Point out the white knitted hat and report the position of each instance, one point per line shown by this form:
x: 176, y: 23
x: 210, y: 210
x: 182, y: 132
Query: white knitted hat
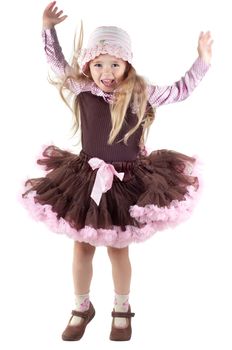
x: 106, y: 40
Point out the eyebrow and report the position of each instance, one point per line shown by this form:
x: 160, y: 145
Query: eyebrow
x: 99, y: 61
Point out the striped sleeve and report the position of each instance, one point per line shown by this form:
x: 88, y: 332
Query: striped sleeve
x: 180, y: 90
x: 57, y: 62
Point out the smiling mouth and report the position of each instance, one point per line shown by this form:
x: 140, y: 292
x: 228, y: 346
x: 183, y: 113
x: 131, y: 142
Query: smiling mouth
x: 108, y: 82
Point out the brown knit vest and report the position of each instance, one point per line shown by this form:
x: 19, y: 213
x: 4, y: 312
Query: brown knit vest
x: 96, y: 127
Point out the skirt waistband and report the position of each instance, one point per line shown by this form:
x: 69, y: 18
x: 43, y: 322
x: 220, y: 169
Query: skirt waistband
x: 118, y: 165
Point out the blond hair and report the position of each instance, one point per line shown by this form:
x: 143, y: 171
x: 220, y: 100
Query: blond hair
x: 132, y: 92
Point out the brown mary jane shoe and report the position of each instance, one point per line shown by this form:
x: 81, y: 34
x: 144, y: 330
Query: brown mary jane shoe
x: 121, y: 334
x: 72, y: 333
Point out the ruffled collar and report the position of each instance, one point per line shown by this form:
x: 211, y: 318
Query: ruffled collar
x: 107, y: 96
x: 95, y: 90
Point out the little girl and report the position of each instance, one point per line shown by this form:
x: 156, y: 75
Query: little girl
x: 113, y: 193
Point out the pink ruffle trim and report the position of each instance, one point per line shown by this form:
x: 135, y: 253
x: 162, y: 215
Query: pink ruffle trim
x: 86, y: 55
x: 171, y: 216
x: 154, y: 219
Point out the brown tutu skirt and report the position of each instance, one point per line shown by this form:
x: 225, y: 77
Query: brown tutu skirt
x: 156, y: 192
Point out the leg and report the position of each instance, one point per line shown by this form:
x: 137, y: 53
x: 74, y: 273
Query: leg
x: 82, y: 267
x: 82, y: 275
x: 121, y: 269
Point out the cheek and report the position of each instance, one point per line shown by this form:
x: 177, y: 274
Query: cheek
x: 93, y: 74
x: 121, y: 74
x: 91, y: 70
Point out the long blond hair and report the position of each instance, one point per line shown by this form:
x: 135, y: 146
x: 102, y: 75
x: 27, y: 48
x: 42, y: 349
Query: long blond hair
x: 132, y: 92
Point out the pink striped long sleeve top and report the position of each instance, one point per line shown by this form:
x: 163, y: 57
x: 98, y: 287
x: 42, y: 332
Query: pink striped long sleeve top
x: 157, y: 95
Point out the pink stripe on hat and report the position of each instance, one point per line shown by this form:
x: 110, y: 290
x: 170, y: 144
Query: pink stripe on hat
x: 106, y: 40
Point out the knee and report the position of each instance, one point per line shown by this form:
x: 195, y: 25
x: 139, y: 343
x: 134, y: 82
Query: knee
x: 117, y: 253
x: 84, y: 250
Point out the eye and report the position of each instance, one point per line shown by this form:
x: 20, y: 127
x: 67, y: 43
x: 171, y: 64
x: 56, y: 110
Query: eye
x: 98, y: 65
x: 115, y: 65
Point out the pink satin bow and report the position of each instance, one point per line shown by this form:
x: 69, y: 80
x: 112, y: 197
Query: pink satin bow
x: 104, y: 178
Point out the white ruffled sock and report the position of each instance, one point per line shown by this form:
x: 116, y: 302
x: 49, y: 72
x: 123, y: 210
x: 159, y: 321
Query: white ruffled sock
x: 121, y: 304
x: 82, y: 304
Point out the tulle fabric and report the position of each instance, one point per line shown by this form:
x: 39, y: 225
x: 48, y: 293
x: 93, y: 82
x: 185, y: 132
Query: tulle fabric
x: 157, y: 192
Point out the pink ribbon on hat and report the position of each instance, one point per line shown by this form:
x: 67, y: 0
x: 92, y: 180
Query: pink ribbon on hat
x: 104, y: 178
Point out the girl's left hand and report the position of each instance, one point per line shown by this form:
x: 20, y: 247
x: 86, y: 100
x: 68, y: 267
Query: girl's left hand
x: 205, y: 46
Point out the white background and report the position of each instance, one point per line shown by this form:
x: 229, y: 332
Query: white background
x: 181, y: 288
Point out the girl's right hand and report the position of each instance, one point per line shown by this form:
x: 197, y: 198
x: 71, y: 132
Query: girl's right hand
x: 51, y: 17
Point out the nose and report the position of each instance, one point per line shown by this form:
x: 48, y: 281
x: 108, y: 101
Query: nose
x: 107, y: 69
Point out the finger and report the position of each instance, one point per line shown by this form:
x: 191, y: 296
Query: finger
x: 201, y: 36
x: 210, y: 43
x: 61, y: 19
x: 59, y: 13
x: 55, y: 9
x: 50, y: 6
x: 206, y: 37
x: 208, y: 34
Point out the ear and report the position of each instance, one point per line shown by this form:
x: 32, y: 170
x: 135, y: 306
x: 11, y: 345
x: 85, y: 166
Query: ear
x: 86, y: 71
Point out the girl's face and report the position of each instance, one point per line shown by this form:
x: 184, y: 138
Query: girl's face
x: 107, y: 72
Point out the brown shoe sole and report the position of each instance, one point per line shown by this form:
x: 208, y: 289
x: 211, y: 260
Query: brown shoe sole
x: 74, y: 333
x: 121, y: 334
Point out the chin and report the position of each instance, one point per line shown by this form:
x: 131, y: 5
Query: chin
x: 106, y: 89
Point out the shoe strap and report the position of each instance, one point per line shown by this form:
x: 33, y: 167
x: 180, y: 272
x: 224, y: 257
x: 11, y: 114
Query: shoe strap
x: 122, y: 314
x: 80, y: 313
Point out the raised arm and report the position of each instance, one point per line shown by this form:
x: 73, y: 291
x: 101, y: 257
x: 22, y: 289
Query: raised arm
x: 180, y: 90
x: 54, y: 55
x: 52, y: 48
